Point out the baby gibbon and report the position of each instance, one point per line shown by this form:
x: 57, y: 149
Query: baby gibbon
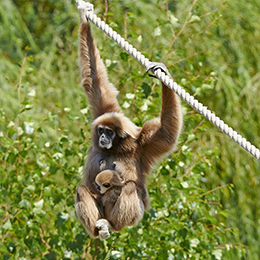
x: 123, y: 204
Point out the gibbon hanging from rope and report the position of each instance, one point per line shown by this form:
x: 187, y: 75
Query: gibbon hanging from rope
x: 113, y: 194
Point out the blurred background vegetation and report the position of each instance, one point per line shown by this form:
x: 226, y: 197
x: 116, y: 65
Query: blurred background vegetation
x: 204, y: 196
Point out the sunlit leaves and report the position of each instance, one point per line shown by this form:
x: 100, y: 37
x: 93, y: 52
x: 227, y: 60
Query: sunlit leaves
x: 157, y: 31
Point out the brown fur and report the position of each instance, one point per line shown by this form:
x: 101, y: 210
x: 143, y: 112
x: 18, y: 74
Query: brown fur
x: 134, y: 151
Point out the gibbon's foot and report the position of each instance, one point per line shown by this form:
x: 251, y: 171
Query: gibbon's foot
x: 83, y: 7
x: 153, y: 66
x: 103, y: 227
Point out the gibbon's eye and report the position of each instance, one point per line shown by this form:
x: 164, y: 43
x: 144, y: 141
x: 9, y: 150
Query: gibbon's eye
x: 100, y: 130
x: 114, y: 166
x: 101, y: 162
x: 106, y: 185
x: 110, y: 132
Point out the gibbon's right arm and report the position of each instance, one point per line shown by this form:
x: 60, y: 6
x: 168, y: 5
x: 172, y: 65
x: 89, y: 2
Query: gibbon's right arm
x: 102, y: 95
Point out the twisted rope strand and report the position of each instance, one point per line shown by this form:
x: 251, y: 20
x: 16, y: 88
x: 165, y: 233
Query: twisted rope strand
x: 173, y: 86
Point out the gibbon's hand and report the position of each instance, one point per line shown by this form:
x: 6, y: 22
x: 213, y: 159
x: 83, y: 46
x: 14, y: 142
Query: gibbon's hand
x: 103, y: 227
x: 153, y: 66
x: 83, y: 7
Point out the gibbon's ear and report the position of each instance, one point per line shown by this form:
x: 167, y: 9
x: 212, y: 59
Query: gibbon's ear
x: 122, y: 125
x: 123, y: 134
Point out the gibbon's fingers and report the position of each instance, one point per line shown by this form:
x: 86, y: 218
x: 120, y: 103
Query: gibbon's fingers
x: 153, y: 66
x: 103, y: 227
x: 103, y: 234
x: 83, y: 7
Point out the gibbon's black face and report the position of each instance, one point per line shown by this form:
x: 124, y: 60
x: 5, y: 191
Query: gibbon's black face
x: 105, y: 137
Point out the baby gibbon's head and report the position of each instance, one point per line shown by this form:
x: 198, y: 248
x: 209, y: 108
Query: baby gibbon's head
x: 108, y: 179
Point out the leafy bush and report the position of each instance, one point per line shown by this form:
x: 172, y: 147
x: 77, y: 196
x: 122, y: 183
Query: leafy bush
x: 196, y: 193
x: 40, y: 176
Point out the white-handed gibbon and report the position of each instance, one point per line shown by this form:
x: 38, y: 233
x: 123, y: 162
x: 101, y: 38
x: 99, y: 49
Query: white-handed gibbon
x: 118, y: 145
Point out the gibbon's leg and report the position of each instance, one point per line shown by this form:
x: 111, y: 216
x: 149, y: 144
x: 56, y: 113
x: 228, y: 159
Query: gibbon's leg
x: 102, y: 95
x: 87, y: 210
x: 160, y: 136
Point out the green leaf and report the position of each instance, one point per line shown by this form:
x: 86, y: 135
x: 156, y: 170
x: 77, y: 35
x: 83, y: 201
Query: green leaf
x: 194, y: 18
x: 165, y: 170
x: 183, y: 233
x: 218, y: 254
x: 19, y: 131
x: 126, y: 105
x: 124, y: 56
x: 146, y: 89
x: 11, y: 158
x: 191, y: 137
x: 30, y: 188
x: 157, y: 31
x: 130, y: 96
x: 39, y: 204
x: 7, y: 225
x: 84, y: 111
x: 24, y: 203
x: 32, y: 93
x: 185, y: 184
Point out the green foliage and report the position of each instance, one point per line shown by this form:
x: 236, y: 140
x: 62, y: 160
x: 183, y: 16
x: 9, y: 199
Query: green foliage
x: 204, y: 196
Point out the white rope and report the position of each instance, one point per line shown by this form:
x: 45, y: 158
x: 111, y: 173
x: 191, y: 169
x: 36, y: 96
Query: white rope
x: 174, y: 86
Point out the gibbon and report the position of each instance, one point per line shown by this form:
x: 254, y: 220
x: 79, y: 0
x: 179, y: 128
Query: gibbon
x: 118, y: 144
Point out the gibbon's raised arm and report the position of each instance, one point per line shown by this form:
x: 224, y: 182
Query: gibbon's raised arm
x: 160, y: 135
x: 102, y: 95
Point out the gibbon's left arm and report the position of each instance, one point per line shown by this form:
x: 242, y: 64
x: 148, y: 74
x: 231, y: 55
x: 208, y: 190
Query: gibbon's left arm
x: 102, y: 95
x: 160, y: 135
